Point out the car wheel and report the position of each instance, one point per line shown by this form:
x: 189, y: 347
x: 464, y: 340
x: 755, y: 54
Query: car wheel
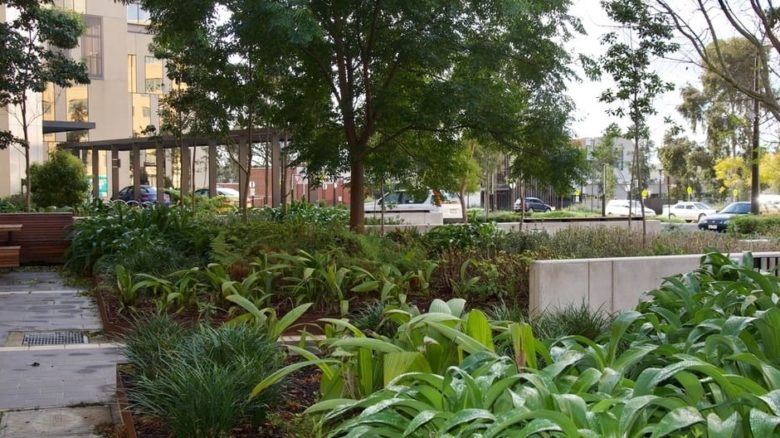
x: 547, y: 210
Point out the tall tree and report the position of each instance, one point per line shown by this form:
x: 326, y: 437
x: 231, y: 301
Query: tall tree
x: 373, y: 75
x: 645, y: 36
x: 705, y: 24
x: 719, y: 107
x: 604, y: 160
x: 230, y: 81
x: 33, y: 53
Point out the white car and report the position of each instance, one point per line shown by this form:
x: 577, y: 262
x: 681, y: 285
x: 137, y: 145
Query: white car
x: 402, y: 201
x: 619, y: 207
x: 688, y: 211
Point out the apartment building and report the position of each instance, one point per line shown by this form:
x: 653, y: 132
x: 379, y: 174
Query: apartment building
x: 123, y: 98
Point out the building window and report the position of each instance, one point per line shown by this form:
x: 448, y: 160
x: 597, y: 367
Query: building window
x: 49, y: 102
x: 137, y: 15
x: 92, y: 46
x: 72, y: 5
x: 142, y: 113
x: 153, y: 75
x: 77, y: 101
x: 132, y: 74
x: 51, y: 143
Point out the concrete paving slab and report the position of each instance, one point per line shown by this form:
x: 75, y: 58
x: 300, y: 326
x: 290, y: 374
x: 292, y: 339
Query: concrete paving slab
x: 56, y: 422
x: 43, y: 312
x: 27, y: 281
x: 53, y: 378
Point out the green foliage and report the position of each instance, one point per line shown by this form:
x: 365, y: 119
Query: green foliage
x: 699, y: 358
x: 749, y: 225
x: 156, y: 240
x: 197, y: 382
x: 447, y: 237
x: 60, y: 181
x: 303, y: 212
x: 12, y: 204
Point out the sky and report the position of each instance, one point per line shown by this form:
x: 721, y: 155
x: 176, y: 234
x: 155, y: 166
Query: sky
x: 590, y: 116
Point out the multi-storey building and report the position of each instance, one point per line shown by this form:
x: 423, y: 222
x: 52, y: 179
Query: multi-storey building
x: 590, y: 192
x: 123, y: 98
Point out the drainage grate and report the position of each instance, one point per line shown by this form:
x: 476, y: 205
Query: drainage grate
x: 54, y: 338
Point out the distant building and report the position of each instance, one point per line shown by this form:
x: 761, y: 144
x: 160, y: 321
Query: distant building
x: 590, y: 191
x: 123, y: 98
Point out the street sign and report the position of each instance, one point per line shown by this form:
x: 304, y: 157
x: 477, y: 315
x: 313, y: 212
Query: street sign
x: 690, y: 190
x: 735, y: 193
x: 644, y: 194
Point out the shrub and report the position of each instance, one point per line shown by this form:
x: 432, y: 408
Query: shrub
x: 750, y: 225
x: 303, y: 212
x: 200, y: 386
x: 151, y: 240
x: 12, y: 204
x: 471, y: 235
x: 699, y: 358
x: 60, y: 181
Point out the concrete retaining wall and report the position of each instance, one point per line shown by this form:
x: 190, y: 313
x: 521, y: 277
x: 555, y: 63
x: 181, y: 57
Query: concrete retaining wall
x: 611, y: 284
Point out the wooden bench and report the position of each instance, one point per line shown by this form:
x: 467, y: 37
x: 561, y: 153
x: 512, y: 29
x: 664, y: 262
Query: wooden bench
x: 43, y: 237
x: 9, y: 256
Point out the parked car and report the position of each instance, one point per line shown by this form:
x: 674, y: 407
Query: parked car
x: 400, y: 201
x: 231, y: 195
x: 769, y: 203
x: 620, y: 207
x: 720, y: 220
x: 148, y: 195
x: 688, y: 211
x: 532, y: 204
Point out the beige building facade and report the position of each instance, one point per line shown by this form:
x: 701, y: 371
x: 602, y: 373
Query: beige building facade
x: 123, y: 98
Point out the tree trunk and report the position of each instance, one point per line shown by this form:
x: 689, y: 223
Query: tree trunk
x: 25, y: 131
x: 356, y: 213
x: 463, y: 213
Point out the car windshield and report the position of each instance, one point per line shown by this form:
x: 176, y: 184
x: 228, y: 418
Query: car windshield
x: 737, y: 208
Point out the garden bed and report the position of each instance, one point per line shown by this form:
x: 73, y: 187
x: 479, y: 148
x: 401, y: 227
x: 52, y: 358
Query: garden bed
x: 298, y: 393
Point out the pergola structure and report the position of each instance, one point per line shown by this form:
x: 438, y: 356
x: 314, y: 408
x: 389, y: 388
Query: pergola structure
x: 160, y: 143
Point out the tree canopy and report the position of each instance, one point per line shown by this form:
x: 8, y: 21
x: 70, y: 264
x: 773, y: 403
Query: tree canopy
x: 359, y: 84
x: 705, y: 24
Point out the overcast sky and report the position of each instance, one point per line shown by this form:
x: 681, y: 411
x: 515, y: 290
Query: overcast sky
x: 590, y: 115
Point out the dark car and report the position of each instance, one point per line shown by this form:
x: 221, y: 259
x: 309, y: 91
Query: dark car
x: 532, y: 204
x: 720, y: 220
x: 148, y: 195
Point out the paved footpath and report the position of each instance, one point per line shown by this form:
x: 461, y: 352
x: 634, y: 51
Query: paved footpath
x: 53, y: 377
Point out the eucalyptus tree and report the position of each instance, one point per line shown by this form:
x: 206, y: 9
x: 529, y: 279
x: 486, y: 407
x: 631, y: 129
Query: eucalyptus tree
x: 718, y: 106
x: 644, y: 37
x: 33, y: 53
x: 708, y: 27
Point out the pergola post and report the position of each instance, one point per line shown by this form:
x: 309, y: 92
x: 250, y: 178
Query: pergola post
x: 276, y: 170
x: 185, y: 170
x: 212, y: 169
x: 160, y: 165
x: 244, y: 167
x: 136, y: 172
x: 95, y: 172
x: 114, y: 172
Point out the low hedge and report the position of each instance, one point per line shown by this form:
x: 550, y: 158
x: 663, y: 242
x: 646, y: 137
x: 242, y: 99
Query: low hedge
x: 763, y: 225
